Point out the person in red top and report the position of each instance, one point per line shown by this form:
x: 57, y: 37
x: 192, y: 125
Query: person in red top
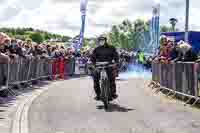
x: 164, y: 51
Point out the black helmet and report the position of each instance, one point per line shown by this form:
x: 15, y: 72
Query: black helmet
x: 102, y: 38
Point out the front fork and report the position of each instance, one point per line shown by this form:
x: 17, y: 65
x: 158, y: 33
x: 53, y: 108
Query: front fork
x: 103, y: 74
x: 103, y: 78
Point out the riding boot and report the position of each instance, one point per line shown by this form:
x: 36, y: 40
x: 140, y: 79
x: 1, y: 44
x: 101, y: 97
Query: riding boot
x: 97, y: 89
x: 112, y: 84
x: 97, y: 85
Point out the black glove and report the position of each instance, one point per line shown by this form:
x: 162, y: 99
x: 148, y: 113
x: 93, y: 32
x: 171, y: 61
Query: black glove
x: 91, y: 67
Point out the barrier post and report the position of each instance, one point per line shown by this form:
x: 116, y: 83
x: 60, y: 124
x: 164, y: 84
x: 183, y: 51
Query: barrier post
x: 196, y: 65
x: 77, y: 71
x: 51, y: 68
x: 18, y: 69
x: 155, y: 72
x: 54, y: 66
x: 184, y: 83
x: 29, y: 71
x: 8, y: 73
x: 159, y: 73
x: 67, y: 68
x: 173, y: 77
x: 7, y: 80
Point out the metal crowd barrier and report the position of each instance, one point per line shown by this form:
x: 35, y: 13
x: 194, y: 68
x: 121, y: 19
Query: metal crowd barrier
x: 81, y: 67
x: 31, y: 69
x: 179, y: 78
x: 4, y: 75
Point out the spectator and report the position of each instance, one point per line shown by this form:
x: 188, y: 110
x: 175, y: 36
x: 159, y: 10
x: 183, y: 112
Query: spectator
x: 4, y: 45
x: 148, y: 62
x: 4, y: 41
x: 174, y: 53
x: 49, y: 50
x: 167, y: 50
x: 186, y: 52
x: 141, y: 57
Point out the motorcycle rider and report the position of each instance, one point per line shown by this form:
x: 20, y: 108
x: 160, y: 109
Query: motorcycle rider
x: 104, y: 53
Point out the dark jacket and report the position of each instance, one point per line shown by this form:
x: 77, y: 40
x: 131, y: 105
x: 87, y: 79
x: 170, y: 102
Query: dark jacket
x: 174, y: 54
x: 189, y: 56
x: 105, y: 53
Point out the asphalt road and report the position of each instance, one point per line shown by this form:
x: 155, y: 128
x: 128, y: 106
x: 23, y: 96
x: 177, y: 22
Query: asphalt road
x: 68, y: 107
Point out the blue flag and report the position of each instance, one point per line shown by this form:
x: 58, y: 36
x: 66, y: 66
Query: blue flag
x: 82, y: 30
x: 83, y: 8
x: 155, y: 27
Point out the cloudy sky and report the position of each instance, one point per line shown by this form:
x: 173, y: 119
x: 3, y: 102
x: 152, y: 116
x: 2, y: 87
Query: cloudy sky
x: 63, y: 16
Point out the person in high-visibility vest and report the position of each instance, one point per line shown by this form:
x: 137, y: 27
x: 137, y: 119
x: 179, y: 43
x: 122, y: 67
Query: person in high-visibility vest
x: 141, y: 57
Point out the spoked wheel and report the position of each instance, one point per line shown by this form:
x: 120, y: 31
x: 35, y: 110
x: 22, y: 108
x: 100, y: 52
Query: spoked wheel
x: 105, y: 93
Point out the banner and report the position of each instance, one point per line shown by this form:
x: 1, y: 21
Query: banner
x: 155, y: 27
x: 82, y: 31
x: 83, y: 8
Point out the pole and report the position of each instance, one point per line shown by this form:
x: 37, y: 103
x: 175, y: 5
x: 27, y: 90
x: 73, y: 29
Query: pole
x: 187, y: 21
x: 83, y: 8
x: 156, y: 26
x: 82, y: 30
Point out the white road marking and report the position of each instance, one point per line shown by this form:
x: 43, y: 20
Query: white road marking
x: 20, y: 122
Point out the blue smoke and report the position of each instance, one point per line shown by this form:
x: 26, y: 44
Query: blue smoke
x: 136, y: 71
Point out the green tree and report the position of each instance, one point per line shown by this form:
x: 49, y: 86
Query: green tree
x: 165, y: 28
x: 86, y: 42
x: 66, y: 38
x: 47, y: 36
x: 139, y: 25
x: 30, y: 29
x: 114, y: 36
x: 13, y: 31
x: 10, y: 34
x: 21, y: 37
x: 132, y: 40
x: 20, y: 31
x: 37, y: 37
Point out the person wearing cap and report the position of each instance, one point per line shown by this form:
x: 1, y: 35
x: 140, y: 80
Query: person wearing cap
x: 104, y: 53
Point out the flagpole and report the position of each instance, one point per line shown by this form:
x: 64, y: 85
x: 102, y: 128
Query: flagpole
x: 187, y: 20
x: 82, y: 30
